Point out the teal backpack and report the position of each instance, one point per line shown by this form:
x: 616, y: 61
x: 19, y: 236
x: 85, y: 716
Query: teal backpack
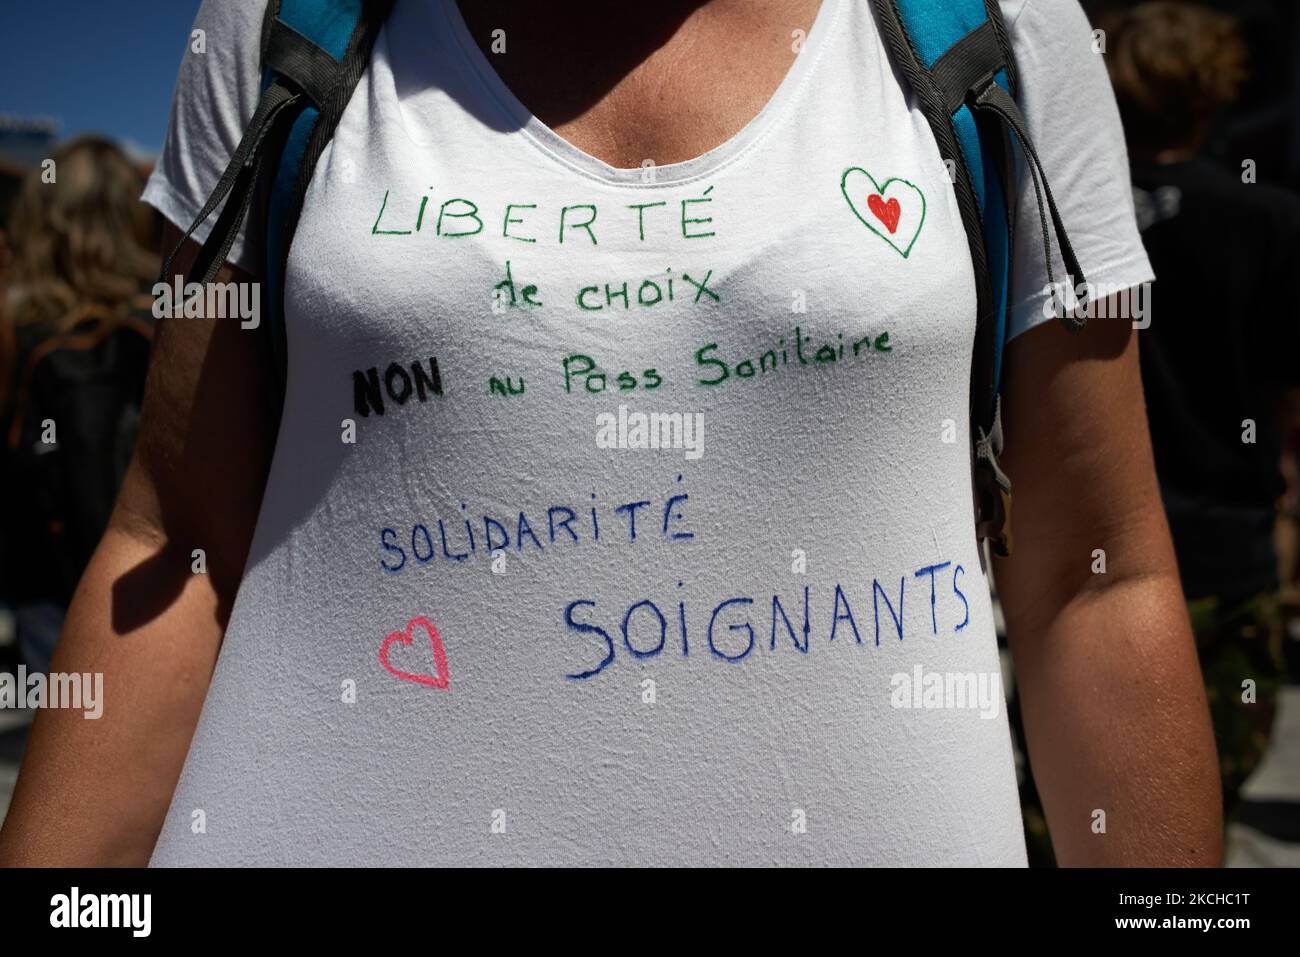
x: 954, y: 53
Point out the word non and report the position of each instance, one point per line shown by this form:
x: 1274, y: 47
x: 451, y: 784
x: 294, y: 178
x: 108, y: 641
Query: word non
x: 369, y: 387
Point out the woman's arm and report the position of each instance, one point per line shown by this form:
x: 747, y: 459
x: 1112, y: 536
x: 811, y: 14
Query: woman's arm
x: 1114, y: 706
x: 94, y: 792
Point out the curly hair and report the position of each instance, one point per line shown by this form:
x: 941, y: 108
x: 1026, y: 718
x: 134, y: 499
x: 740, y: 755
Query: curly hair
x: 1173, y: 66
x: 79, y: 240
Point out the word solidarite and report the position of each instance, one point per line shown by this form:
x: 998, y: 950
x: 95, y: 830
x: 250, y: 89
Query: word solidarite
x: 555, y: 529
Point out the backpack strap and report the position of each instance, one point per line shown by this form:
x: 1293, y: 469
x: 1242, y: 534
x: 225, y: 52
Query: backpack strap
x: 326, y: 43
x: 313, y: 53
x: 959, y: 62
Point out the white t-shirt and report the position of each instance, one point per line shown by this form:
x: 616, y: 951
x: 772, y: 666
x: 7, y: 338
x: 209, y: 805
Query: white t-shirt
x: 495, y: 628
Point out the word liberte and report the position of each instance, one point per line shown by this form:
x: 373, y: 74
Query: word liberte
x: 214, y: 300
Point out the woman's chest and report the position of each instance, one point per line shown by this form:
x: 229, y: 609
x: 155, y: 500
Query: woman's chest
x: 669, y: 86
x: 446, y: 220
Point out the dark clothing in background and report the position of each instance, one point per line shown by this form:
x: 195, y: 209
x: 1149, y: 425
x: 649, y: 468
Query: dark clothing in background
x: 1223, y: 344
x: 87, y: 385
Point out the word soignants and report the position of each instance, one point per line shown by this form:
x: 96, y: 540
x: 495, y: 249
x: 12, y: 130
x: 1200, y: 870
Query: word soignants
x: 736, y: 627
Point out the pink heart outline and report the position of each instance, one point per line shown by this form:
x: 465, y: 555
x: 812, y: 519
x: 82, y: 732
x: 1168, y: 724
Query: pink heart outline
x: 443, y: 677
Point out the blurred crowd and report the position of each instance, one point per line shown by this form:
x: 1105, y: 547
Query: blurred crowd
x: 1215, y: 176
x: 79, y: 257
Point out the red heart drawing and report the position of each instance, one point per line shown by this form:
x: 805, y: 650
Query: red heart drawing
x: 439, y: 680
x: 887, y: 212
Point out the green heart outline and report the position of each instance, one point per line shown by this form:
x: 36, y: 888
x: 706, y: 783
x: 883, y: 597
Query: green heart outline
x: 880, y: 191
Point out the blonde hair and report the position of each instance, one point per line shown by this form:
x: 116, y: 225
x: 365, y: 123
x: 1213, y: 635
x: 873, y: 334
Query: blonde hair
x: 79, y: 240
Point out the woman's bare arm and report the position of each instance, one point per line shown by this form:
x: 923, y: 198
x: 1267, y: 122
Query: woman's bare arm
x: 1114, y: 705
x: 94, y: 792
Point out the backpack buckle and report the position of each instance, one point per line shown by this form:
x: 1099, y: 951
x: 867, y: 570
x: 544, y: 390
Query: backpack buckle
x: 992, y: 488
x: 992, y: 510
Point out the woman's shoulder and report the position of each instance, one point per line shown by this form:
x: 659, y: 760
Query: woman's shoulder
x: 217, y: 90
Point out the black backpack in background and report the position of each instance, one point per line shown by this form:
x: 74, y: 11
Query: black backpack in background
x: 89, y: 383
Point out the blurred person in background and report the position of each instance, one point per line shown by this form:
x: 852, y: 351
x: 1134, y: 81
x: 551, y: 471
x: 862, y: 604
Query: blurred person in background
x: 75, y: 326
x: 1221, y: 353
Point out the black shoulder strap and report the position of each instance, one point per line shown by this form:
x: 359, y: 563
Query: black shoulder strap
x: 313, y: 54
x: 957, y: 57
x: 324, y: 45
